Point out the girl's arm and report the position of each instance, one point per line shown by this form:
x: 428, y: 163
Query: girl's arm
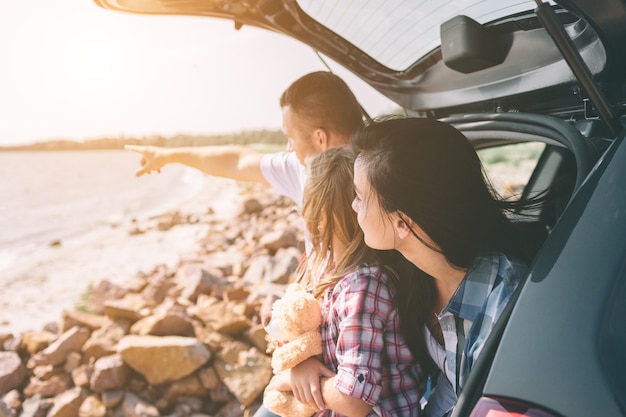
x: 363, y: 306
x: 305, y: 382
x: 342, y: 403
x: 313, y: 383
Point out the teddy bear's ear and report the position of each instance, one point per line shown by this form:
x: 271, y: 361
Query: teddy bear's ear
x: 294, y: 287
x: 274, y: 330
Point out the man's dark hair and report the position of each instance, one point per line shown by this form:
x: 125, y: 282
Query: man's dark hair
x: 323, y: 100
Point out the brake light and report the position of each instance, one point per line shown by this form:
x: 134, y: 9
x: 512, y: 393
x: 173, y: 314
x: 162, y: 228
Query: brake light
x: 498, y: 407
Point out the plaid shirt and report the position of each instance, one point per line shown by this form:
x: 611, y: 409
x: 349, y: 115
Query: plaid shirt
x: 362, y: 344
x: 469, y: 318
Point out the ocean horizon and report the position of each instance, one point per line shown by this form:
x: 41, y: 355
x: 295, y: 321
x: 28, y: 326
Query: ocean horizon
x: 51, y: 198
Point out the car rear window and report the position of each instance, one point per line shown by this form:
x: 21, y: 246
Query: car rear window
x: 397, y: 33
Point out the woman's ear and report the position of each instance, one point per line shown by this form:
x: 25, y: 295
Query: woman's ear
x: 402, y: 223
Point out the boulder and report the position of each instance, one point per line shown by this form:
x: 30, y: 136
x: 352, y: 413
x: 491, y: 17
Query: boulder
x: 12, y: 371
x: 163, y: 359
x: 55, y: 354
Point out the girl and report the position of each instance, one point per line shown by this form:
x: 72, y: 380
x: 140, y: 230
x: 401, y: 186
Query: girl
x: 368, y: 367
x: 420, y: 190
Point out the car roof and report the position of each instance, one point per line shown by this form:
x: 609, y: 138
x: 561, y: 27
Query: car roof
x: 396, y: 45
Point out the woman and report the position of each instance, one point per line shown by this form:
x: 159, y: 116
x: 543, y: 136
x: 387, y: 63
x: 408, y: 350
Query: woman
x: 368, y: 367
x: 420, y: 190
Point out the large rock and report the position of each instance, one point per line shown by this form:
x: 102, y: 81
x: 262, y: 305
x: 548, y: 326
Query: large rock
x: 5, y: 410
x: 55, y: 354
x: 92, y: 407
x: 35, y: 341
x: 109, y: 373
x: 229, y: 262
x: 260, y: 270
x: 13, y: 399
x: 73, y: 361
x: 70, y: 319
x: 163, y: 359
x: 112, y: 398
x: 82, y: 374
x: 163, y: 324
x: 208, y: 378
x: 220, y: 316
x: 45, y: 372
x: 56, y: 385
x: 34, y: 407
x: 67, y: 403
x: 285, y: 264
x: 251, y: 206
x: 281, y: 238
x: 104, y: 292
x: 133, y: 406
x: 103, y: 341
x: 12, y: 371
x: 197, y: 279
x: 190, y: 385
x: 245, y: 377
x: 157, y: 288
x: 131, y: 307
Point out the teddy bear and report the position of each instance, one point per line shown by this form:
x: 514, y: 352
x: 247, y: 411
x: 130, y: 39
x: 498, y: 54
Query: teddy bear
x: 294, y: 330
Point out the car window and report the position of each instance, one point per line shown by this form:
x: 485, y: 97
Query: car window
x: 397, y: 33
x: 509, y: 167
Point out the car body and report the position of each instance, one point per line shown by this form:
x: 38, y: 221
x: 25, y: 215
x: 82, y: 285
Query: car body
x: 506, y: 72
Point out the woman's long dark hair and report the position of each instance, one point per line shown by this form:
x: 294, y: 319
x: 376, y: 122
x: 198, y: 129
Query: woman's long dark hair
x: 428, y: 171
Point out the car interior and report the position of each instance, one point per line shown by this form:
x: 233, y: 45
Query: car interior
x: 564, y: 163
x: 574, y: 139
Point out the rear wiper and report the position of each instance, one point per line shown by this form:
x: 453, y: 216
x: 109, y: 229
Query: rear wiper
x: 576, y: 63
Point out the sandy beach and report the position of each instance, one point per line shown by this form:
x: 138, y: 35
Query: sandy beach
x: 37, y: 292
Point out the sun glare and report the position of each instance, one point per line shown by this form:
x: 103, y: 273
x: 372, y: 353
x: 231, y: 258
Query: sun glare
x: 92, y: 63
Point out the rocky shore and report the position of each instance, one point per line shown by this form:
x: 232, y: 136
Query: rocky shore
x: 182, y: 340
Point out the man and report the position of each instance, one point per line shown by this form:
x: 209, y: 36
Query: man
x: 319, y: 112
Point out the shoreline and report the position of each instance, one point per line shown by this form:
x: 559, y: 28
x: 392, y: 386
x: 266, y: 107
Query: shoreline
x: 67, y: 224
x: 36, y: 292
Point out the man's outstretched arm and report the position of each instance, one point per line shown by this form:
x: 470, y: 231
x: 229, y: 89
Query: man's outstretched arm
x: 234, y: 162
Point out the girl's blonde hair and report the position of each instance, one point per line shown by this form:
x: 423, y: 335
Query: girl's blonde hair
x: 328, y: 197
x: 330, y: 219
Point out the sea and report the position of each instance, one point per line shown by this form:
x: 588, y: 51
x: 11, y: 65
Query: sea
x: 65, y: 222
x: 50, y: 197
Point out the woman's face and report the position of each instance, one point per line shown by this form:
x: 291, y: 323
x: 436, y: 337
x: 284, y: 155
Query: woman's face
x: 376, y: 224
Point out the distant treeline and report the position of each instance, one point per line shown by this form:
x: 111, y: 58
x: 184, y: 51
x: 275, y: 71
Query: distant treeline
x: 270, y: 137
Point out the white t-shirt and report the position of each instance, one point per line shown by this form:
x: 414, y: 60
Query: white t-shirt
x: 287, y: 175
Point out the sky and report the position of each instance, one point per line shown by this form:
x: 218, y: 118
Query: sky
x: 71, y: 70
